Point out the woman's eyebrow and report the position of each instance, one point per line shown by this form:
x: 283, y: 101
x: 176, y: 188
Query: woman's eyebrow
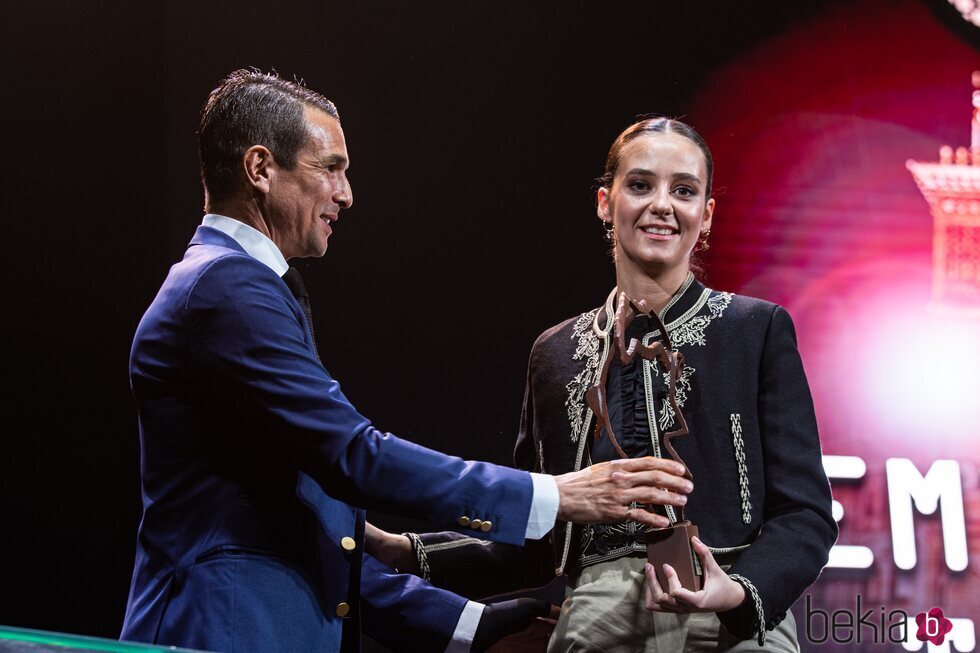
x: 687, y: 176
x: 643, y: 172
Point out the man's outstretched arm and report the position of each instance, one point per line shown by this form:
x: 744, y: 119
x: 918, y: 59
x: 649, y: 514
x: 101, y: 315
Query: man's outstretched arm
x: 246, y: 332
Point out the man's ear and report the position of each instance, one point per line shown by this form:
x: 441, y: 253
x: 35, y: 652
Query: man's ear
x: 259, y: 168
x: 602, y: 205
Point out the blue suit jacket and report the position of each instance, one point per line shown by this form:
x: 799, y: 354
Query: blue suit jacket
x: 251, y: 461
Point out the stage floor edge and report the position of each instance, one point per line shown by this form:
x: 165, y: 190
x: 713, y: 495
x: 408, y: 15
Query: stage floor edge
x: 36, y: 641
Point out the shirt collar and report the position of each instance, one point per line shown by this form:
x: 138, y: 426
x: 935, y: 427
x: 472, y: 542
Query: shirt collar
x: 254, y: 242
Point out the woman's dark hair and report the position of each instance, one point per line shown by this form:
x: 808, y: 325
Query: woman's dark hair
x: 249, y: 108
x: 655, y: 125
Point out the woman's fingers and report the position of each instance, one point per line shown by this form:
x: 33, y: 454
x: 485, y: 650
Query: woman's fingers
x: 681, y: 596
x: 656, y: 599
x: 708, y: 562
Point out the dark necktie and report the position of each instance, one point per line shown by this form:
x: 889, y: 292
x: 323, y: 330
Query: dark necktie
x: 294, y: 280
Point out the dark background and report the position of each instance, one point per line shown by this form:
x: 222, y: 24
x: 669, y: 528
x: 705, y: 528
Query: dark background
x: 475, y: 131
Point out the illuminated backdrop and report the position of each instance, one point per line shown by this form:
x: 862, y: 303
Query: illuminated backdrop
x: 817, y: 210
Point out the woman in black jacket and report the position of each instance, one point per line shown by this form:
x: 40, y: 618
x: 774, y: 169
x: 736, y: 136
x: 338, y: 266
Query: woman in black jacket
x: 761, y: 499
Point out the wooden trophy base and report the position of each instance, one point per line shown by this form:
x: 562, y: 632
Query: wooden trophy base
x: 672, y: 546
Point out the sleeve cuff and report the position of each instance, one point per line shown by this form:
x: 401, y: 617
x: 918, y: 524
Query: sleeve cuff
x: 466, y: 627
x: 421, y: 558
x: 544, y: 506
x: 760, y: 615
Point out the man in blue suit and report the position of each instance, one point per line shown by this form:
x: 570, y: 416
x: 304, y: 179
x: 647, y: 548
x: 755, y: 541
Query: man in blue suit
x: 252, y: 458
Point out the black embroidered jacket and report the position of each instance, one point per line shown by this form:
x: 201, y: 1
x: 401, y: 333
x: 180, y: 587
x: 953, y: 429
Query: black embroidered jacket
x: 761, y: 498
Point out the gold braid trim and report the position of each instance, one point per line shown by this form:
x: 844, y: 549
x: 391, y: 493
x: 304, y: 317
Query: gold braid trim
x: 419, y: 548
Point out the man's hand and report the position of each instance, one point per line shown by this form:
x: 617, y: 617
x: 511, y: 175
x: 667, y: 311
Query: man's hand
x: 393, y: 550
x: 603, y: 492
x: 719, y: 592
x: 517, y: 622
x: 533, y: 638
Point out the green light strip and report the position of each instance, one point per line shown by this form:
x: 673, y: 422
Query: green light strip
x: 77, y: 641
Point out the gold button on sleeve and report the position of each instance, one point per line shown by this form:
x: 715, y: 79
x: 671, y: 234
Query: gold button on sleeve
x: 348, y: 543
x: 486, y: 526
x: 343, y: 609
x: 476, y: 524
x: 463, y: 521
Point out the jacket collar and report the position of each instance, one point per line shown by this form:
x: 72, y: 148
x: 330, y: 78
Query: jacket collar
x: 689, y: 296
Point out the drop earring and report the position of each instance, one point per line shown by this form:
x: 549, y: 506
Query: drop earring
x: 702, y: 244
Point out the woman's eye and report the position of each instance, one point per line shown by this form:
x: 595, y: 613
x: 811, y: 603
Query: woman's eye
x: 638, y: 185
x: 685, y: 191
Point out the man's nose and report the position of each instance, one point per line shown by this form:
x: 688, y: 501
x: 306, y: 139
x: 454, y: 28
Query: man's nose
x: 344, y: 196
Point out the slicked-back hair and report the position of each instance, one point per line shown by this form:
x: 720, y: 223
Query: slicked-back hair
x: 654, y: 125
x: 248, y: 108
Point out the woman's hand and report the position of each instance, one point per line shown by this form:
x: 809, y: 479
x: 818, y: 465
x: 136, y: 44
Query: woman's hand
x: 393, y: 550
x: 718, y: 592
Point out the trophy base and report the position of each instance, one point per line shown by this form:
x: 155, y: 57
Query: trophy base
x: 672, y: 546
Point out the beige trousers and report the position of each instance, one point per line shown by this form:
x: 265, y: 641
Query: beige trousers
x: 605, y: 611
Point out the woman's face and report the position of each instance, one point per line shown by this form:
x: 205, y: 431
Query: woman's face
x: 657, y: 204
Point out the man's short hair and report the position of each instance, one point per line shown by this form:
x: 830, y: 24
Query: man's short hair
x: 248, y: 108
